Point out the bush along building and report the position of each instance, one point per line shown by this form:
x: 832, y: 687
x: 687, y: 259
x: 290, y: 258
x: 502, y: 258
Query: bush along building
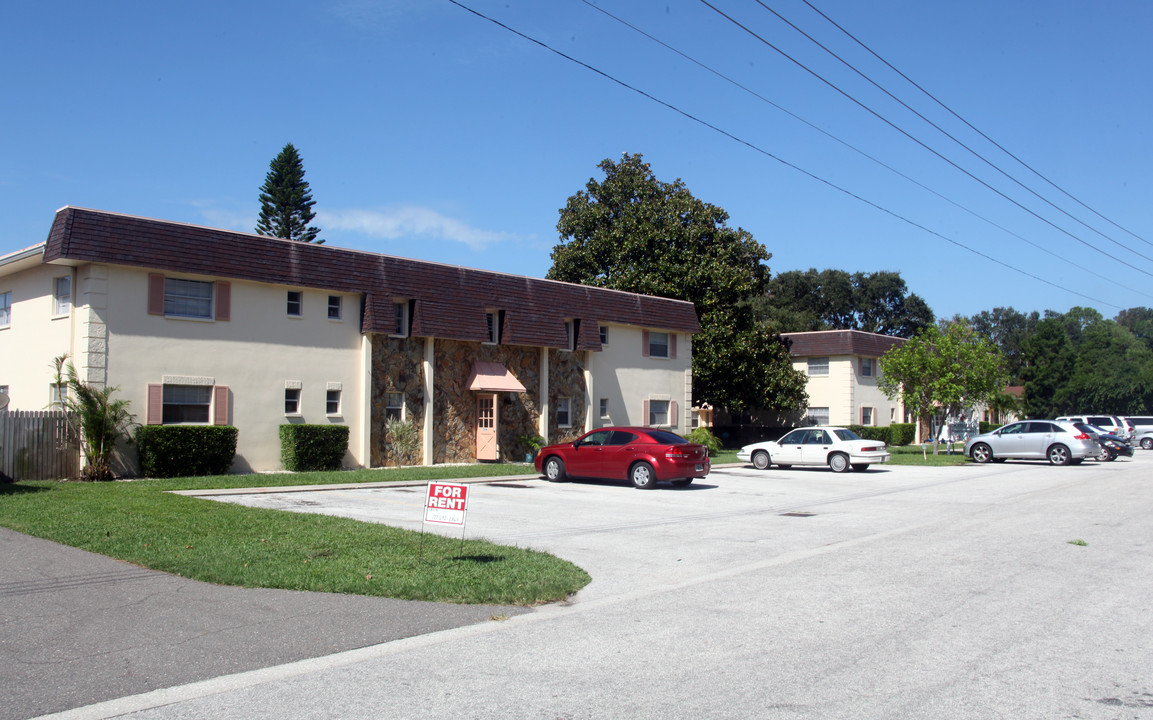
x: 197, y: 325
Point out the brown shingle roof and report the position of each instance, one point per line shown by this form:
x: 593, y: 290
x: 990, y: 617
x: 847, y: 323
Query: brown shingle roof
x: 840, y: 342
x: 450, y: 300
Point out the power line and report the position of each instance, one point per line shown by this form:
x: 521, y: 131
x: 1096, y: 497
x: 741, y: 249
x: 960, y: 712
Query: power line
x: 893, y: 125
x: 973, y: 128
x: 944, y: 132
x: 780, y: 160
x: 857, y: 150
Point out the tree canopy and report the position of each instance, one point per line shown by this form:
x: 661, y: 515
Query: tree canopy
x: 286, y: 200
x: 942, y: 370
x: 634, y: 232
x: 878, y: 302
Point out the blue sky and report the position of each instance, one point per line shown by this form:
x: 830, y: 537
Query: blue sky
x: 429, y: 132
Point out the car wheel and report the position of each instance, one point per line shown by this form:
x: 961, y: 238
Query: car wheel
x: 761, y: 460
x: 1147, y: 443
x: 1059, y: 455
x: 839, y: 462
x: 981, y: 453
x: 554, y: 469
x: 860, y: 467
x: 1108, y: 455
x: 643, y: 476
x: 683, y: 482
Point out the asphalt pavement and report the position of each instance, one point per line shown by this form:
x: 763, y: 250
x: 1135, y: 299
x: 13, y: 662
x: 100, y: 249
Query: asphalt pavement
x: 1014, y: 590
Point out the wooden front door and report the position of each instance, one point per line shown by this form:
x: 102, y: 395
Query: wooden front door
x: 486, y: 448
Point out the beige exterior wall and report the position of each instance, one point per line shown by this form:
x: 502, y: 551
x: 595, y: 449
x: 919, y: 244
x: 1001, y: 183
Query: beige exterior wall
x: 845, y: 391
x: 34, y: 337
x: 625, y: 378
x: 257, y: 354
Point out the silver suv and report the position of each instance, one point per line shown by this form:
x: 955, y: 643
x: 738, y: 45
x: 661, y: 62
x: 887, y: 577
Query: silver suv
x: 1058, y: 441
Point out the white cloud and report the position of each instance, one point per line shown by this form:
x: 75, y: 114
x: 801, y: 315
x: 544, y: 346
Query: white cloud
x: 407, y: 222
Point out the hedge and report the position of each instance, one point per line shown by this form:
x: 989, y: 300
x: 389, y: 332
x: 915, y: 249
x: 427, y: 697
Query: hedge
x: 185, y: 450
x: 304, y: 448
x: 896, y: 434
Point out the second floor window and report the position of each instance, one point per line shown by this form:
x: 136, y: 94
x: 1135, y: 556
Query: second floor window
x: 187, y: 298
x: 334, y: 307
x: 62, y: 295
x: 295, y: 303
x: 818, y: 366
x: 658, y: 344
x: 5, y: 309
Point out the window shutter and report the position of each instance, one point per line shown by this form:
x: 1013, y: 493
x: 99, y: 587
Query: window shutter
x: 155, y: 415
x: 672, y: 346
x: 674, y: 414
x: 220, y: 405
x: 223, y: 301
x: 645, y: 416
x: 645, y: 353
x: 155, y: 295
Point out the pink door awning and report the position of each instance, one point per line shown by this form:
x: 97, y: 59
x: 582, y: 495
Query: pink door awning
x: 493, y: 377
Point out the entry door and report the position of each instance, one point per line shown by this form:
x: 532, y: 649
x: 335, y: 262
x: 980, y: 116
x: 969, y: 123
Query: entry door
x: 486, y: 427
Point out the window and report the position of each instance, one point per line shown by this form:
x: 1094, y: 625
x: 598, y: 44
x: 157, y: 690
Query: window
x: 866, y: 367
x: 332, y: 402
x: 291, y: 401
x: 400, y: 319
x: 334, y: 307
x: 569, y: 334
x: 563, y: 414
x: 187, y: 298
x: 62, y: 295
x: 186, y: 404
x: 492, y: 320
x: 867, y: 416
x: 658, y: 412
x: 394, y: 406
x: 818, y: 366
x: 817, y: 416
x: 604, y: 335
x: 58, y: 394
x: 604, y: 408
x: 658, y: 345
x: 5, y: 309
x: 295, y: 303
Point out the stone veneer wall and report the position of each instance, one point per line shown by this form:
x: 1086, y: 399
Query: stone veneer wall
x: 566, y: 379
x: 397, y: 366
x: 455, y: 404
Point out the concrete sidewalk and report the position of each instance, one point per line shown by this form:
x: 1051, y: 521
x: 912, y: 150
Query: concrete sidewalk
x: 78, y: 628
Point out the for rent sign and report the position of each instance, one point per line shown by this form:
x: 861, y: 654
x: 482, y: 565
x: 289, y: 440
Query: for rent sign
x: 446, y: 503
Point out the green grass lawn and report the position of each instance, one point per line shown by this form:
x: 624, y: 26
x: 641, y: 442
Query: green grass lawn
x: 139, y: 522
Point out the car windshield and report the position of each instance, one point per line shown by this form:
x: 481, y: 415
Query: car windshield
x: 666, y: 438
x: 846, y: 434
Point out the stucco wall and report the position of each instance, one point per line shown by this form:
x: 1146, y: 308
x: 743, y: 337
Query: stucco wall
x: 34, y: 337
x: 845, y: 391
x: 626, y: 378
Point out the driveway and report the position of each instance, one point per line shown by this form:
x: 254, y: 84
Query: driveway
x: 898, y: 593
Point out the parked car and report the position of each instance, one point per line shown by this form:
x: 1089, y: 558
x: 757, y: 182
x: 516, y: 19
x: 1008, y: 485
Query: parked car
x: 1110, y: 423
x: 639, y: 454
x: 1058, y: 441
x: 1112, y: 446
x: 839, y: 448
x: 1142, y: 430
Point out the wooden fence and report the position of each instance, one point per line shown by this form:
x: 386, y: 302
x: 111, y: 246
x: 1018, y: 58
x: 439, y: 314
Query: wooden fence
x: 37, y: 445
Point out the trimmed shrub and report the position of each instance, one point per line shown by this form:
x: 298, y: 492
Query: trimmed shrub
x: 902, y: 433
x: 984, y: 427
x: 872, y: 432
x: 704, y: 436
x: 304, y: 448
x: 180, y: 450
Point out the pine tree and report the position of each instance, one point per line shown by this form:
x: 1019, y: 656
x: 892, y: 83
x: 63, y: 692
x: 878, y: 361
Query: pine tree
x: 286, y: 200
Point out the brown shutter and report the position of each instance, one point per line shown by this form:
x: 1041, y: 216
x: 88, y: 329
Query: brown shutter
x: 674, y: 415
x: 672, y: 346
x: 645, y: 416
x: 155, y: 414
x: 220, y: 405
x: 645, y: 352
x: 155, y: 294
x: 223, y: 300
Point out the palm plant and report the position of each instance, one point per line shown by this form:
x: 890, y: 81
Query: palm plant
x: 98, y: 419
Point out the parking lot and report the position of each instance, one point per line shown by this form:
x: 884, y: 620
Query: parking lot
x: 1014, y: 590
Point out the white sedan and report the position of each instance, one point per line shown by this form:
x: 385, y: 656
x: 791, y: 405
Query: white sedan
x: 836, y: 447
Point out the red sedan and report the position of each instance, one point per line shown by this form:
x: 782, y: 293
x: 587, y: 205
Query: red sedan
x: 642, y: 455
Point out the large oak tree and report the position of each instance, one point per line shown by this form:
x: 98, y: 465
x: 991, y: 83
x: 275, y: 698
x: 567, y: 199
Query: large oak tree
x: 631, y: 231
